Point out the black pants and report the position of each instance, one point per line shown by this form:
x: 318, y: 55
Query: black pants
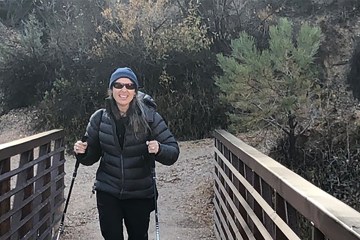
x: 134, y: 212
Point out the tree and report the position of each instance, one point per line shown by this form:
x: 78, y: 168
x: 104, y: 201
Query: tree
x: 167, y: 44
x: 276, y: 87
x: 24, y: 75
x: 12, y: 12
x: 155, y: 30
x: 79, y: 44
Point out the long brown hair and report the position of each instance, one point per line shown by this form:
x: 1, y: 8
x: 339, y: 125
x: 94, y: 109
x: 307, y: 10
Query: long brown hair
x: 135, y: 113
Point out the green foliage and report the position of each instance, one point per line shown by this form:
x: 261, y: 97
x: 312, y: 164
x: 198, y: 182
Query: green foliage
x: 70, y: 103
x: 13, y: 12
x: 187, y: 98
x: 327, y: 154
x: 31, y: 39
x: 25, y: 74
x: 275, y: 86
x: 169, y: 50
x: 79, y: 43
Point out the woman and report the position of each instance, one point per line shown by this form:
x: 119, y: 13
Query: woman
x: 124, y: 136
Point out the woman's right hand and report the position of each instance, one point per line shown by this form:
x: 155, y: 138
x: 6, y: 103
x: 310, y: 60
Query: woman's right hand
x: 80, y: 147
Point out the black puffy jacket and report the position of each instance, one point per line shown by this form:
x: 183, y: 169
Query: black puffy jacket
x: 126, y: 173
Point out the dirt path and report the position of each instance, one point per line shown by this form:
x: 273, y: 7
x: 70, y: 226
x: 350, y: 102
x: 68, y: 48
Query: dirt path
x: 185, y: 189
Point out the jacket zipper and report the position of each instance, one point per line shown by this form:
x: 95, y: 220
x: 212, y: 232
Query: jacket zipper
x: 117, y: 143
x: 122, y: 176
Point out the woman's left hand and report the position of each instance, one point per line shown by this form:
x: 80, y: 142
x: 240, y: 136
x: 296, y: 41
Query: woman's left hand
x: 153, y: 146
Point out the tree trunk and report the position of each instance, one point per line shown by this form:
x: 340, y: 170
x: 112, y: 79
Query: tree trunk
x: 292, y: 139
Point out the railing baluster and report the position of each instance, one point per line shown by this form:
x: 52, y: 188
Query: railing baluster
x: 292, y: 217
x: 280, y: 208
x: 257, y: 208
x: 316, y: 234
x: 4, y: 188
x: 23, y: 194
x: 249, y: 199
x: 268, y: 194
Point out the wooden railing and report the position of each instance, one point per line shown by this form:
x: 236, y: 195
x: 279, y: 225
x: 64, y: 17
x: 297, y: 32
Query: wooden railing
x: 31, y: 186
x: 258, y: 198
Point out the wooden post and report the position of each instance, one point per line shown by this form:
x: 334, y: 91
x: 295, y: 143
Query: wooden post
x: 280, y: 208
x: 44, y: 165
x: 267, y: 193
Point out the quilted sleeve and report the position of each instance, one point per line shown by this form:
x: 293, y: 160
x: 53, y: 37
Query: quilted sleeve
x: 93, y: 151
x: 169, y: 148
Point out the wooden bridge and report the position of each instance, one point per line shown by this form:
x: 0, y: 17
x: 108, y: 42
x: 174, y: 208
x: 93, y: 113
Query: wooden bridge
x: 255, y: 197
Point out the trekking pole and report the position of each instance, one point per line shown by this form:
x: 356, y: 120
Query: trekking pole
x: 77, y: 163
x: 155, y: 197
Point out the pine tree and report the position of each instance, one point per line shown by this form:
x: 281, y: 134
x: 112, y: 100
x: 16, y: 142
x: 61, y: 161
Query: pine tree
x: 276, y: 87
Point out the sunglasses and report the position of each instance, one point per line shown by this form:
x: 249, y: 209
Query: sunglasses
x: 129, y: 86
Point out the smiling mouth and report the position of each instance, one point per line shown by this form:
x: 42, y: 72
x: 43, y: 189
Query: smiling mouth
x: 123, y: 96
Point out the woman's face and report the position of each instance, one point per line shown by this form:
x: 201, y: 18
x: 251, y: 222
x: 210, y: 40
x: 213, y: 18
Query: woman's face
x: 123, y: 92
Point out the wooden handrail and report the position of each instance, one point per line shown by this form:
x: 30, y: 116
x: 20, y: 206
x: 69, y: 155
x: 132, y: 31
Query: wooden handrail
x: 27, y: 143
x: 333, y: 218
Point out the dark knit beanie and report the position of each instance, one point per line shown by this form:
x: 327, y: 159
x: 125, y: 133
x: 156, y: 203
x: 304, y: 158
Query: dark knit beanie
x: 123, y: 72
